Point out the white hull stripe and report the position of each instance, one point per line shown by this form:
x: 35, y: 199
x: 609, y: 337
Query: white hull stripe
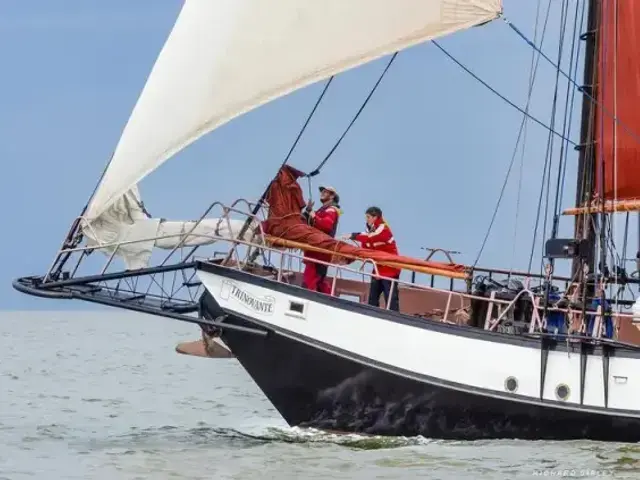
x: 391, y: 316
x: 514, y: 397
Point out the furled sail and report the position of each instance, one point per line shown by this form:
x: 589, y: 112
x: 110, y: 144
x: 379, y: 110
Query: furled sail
x: 226, y: 57
x: 125, y: 230
x: 285, y: 227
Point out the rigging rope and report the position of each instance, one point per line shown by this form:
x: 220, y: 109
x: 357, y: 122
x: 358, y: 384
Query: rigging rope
x: 537, y: 223
x: 567, y: 113
x: 494, y: 91
x: 525, y: 117
x: 568, y: 116
x: 602, y: 238
x: 523, y: 128
x: 550, y: 140
x: 304, y: 127
x: 625, y: 241
x: 603, y: 109
x: 260, y: 202
x: 316, y: 171
x: 324, y: 161
x: 573, y: 93
x: 615, y: 142
x: 547, y: 163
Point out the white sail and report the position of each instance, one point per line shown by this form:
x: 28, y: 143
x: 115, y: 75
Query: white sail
x: 226, y: 57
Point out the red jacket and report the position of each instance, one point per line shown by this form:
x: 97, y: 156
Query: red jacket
x: 325, y: 220
x: 380, y: 238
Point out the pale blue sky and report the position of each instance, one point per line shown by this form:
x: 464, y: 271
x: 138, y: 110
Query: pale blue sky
x: 431, y: 149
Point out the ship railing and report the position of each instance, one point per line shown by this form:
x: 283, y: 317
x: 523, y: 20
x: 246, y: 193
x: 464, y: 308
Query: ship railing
x: 160, y: 281
x: 288, y: 258
x: 515, y: 274
x: 226, y: 212
x: 286, y: 263
x: 225, y: 216
x: 537, y: 323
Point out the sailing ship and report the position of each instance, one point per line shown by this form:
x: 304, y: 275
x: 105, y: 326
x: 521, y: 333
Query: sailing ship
x: 498, y: 354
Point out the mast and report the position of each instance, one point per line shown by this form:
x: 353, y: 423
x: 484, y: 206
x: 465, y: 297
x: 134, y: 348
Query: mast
x: 585, y: 224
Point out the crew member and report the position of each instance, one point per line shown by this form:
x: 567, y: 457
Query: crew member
x: 324, y: 219
x: 379, y: 237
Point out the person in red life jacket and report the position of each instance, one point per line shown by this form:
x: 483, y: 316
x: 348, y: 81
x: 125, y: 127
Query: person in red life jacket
x: 324, y: 219
x: 379, y: 237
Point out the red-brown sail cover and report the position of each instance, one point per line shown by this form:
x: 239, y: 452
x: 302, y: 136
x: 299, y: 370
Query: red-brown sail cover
x: 284, y: 221
x: 618, y: 94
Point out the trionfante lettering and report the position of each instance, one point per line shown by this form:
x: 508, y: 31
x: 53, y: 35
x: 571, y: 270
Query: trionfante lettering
x: 261, y: 306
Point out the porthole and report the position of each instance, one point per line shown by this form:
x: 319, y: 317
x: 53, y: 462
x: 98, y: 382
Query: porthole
x: 511, y: 384
x: 562, y: 392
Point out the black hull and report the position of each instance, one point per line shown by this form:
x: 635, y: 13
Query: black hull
x: 311, y: 387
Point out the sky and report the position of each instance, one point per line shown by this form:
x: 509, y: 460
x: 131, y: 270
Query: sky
x: 431, y: 149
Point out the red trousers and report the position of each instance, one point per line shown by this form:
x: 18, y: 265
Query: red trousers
x: 314, y: 276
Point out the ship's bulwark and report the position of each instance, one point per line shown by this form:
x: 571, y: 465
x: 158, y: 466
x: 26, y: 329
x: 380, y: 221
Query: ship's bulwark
x: 313, y: 388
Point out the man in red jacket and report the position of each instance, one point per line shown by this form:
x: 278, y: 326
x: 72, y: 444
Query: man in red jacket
x: 379, y: 237
x: 324, y: 219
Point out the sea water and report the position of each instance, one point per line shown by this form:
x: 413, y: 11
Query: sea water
x: 104, y: 395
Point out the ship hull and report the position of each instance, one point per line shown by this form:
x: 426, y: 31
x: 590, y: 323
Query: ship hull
x: 313, y: 388
x: 316, y: 384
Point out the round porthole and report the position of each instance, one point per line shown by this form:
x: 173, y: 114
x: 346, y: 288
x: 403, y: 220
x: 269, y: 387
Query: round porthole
x: 562, y: 392
x: 511, y: 384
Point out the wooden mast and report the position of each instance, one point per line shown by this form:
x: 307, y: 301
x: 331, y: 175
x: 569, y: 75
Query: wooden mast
x: 585, y: 223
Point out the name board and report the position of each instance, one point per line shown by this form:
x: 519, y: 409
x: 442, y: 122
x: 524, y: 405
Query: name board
x: 262, y: 305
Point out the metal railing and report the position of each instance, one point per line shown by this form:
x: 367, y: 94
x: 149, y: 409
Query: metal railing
x: 287, y: 258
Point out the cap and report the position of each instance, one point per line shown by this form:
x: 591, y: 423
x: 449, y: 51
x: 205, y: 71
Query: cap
x: 329, y: 189
x: 332, y: 190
